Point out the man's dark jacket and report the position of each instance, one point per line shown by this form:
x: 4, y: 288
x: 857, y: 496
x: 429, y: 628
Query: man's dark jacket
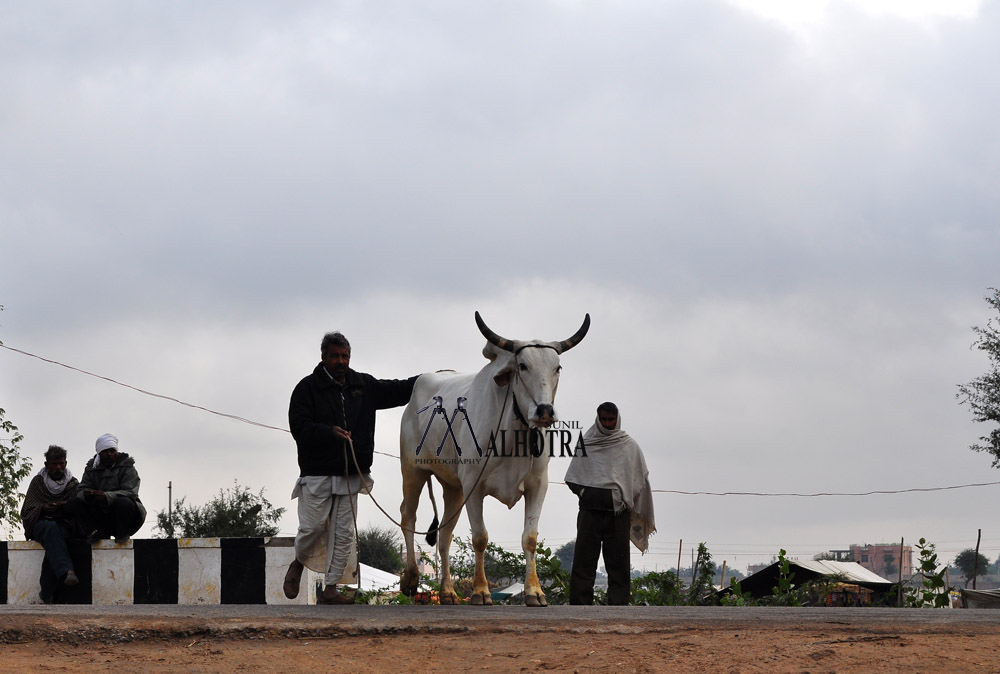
x: 120, y: 480
x: 38, y: 495
x: 319, y: 403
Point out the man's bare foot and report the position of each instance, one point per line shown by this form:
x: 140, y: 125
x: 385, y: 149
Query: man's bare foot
x: 293, y: 578
x: 331, y: 595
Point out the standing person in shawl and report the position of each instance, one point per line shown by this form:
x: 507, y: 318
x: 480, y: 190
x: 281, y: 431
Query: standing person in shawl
x: 107, y: 502
x: 616, y: 505
x: 45, y: 520
x: 332, y: 417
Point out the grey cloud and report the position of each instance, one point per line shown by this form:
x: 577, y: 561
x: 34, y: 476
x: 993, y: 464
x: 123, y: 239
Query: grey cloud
x: 778, y: 239
x: 236, y: 149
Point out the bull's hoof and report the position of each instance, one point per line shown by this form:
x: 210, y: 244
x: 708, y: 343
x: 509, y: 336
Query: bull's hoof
x: 535, y: 600
x: 408, y: 583
x: 481, y: 599
x: 449, y: 599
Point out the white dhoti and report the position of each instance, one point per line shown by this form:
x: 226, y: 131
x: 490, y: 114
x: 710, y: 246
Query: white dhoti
x: 325, y: 538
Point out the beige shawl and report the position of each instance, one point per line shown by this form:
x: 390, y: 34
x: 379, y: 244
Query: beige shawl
x: 614, y: 461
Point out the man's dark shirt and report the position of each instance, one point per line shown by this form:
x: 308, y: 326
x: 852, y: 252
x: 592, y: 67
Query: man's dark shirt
x: 319, y: 403
x: 593, y: 498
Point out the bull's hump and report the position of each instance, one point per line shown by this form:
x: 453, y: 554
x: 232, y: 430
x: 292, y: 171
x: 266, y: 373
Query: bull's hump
x: 440, y: 377
x: 448, y: 384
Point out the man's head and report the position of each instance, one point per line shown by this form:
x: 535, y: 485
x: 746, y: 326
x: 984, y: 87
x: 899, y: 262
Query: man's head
x: 336, y: 353
x: 107, y: 448
x: 55, y: 462
x: 607, y: 414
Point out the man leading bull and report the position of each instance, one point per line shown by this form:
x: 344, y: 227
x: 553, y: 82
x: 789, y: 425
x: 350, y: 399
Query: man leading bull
x: 330, y: 410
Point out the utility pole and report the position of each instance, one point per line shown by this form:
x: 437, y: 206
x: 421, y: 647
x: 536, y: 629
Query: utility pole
x: 899, y: 597
x: 170, y: 505
x: 680, y: 548
x: 975, y: 563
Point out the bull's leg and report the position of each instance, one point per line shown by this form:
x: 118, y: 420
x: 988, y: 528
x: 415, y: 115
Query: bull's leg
x: 534, y: 496
x: 452, y: 508
x: 480, y: 537
x: 413, y: 485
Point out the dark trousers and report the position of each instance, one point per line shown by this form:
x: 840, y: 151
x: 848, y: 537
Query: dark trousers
x: 52, y: 534
x: 120, y: 520
x: 597, y: 529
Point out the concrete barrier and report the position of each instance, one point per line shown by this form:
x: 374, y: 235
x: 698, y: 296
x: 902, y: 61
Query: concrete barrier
x: 162, y: 571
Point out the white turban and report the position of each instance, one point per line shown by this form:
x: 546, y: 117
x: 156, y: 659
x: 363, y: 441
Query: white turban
x: 106, y: 441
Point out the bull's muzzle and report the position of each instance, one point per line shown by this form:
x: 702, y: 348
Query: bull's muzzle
x: 544, y: 415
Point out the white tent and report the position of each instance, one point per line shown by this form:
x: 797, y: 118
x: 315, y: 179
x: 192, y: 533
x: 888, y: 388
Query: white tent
x: 508, y: 592
x: 762, y: 583
x: 980, y: 598
x: 377, y: 579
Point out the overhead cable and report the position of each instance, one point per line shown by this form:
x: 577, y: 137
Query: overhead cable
x: 660, y: 491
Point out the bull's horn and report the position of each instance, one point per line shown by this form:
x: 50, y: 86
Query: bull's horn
x: 567, y: 344
x: 492, y: 337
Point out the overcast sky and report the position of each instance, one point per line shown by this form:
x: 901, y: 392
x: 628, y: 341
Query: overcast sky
x: 781, y: 217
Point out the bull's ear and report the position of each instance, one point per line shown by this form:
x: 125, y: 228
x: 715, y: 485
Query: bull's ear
x: 502, y: 378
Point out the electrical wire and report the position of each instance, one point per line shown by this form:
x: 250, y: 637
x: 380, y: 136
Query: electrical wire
x: 143, y: 391
x: 659, y: 491
x: 825, y: 493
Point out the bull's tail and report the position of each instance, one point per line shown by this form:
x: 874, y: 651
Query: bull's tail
x: 432, y: 533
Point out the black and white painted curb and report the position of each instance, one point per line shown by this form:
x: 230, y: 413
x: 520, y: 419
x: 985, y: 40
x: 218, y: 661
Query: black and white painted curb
x: 161, y: 571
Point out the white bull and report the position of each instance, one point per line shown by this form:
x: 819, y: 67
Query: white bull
x: 520, y: 376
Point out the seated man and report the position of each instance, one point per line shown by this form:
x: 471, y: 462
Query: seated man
x: 107, y: 501
x: 45, y: 520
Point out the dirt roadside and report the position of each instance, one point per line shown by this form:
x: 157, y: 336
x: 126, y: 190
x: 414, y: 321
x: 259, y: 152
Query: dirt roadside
x: 378, y: 639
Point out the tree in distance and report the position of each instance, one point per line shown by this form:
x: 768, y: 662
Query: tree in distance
x: 982, y: 394
x: 967, y: 563
x: 565, y: 554
x: 236, y: 512
x: 379, y: 547
x: 890, y: 569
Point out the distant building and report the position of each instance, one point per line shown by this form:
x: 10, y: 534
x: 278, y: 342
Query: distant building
x: 885, y: 559
x: 840, y: 556
x: 426, y: 568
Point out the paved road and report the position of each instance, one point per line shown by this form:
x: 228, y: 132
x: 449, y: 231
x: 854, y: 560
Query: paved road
x: 170, y: 621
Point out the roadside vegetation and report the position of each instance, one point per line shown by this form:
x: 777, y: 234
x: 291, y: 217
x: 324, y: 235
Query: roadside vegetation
x: 14, y: 468
x: 925, y: 589
x: 236, y: 512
